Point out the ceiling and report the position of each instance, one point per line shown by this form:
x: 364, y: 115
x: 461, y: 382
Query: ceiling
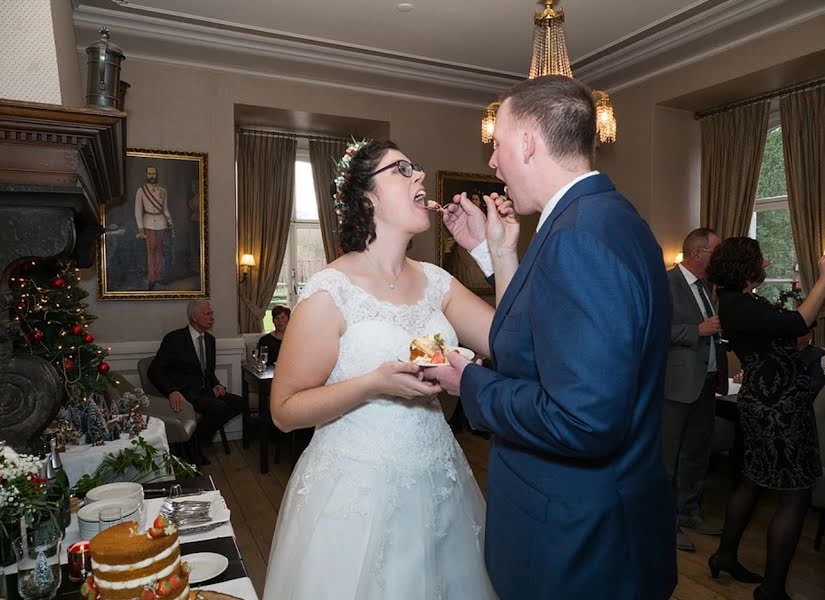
x: 492, y: 34
x: 482, y: 45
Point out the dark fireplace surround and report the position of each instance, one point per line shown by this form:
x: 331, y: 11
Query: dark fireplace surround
x: 58, y: 166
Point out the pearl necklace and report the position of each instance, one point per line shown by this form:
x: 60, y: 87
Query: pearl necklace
x: 390, y: 283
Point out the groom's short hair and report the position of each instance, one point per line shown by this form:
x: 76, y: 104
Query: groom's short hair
x: 562, y: 109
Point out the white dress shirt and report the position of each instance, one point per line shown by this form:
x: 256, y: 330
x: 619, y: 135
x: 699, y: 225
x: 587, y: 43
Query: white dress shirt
x: 195, y: 335
x: 693, y: 283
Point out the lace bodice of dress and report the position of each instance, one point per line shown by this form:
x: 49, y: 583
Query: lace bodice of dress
x: 376, y: 332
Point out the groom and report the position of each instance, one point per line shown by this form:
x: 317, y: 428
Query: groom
x: 579, y: 505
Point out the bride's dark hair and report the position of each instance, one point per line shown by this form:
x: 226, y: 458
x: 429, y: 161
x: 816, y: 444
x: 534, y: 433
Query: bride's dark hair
x: 356, y: 223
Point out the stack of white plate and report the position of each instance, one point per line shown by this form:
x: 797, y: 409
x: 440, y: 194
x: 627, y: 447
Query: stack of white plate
x: 126, y: 496
x: 110, y: 491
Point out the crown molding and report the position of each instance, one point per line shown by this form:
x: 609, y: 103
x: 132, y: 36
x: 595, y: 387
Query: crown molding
x: 624, y: 63
x: 229, y: 36
x: 682, y: 33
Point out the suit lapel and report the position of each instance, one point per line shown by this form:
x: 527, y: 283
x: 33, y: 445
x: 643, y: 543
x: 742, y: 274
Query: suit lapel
x: 688, y: 295
x: 193, y: 351
x: 595, y: 184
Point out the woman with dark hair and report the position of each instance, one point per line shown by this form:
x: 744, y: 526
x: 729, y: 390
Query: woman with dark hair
x: 382, y: 503
x: 775, y: 410
x: 272, y: 340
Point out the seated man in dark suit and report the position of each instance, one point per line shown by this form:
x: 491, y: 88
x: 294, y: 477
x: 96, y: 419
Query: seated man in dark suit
x: 184, y: 368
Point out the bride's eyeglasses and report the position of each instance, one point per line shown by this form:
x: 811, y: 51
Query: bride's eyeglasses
x: 404, y: 167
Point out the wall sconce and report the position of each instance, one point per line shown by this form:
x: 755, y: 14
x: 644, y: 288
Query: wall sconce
x: 678, y: 258
x: 247, y: 263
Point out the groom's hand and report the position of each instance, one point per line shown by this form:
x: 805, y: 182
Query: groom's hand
x: 449, y: 376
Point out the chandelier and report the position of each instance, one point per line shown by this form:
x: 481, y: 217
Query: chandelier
x: 550, y: 58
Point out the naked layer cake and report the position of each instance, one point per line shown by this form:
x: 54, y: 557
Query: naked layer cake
x: 128, y: 564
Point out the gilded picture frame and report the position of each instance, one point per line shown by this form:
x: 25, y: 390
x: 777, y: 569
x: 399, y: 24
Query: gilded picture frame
x: 155, y: 244
x: 450, y: 255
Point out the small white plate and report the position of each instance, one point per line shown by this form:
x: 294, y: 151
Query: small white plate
x: 205, y: 565
x: 404, y: 355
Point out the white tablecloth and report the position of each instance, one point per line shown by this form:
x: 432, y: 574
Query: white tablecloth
x: 81, y: 460
x: 240, y: 588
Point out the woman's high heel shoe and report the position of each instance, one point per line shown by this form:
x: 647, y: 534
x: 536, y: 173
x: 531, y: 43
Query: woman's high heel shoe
x: 735, y: 568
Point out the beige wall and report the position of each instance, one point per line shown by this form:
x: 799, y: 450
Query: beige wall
x: 28, y: 61
x: 656, y: 159
x: 179, y: 108
x: 68, y: 65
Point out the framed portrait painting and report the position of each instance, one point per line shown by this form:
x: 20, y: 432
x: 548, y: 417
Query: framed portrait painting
x: 451, y: 256
x: 155, y: 243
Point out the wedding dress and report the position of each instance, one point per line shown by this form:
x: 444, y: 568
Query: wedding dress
x: 382, y: 504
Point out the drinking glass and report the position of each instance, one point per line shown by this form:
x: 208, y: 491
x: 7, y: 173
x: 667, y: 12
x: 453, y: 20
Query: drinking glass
x: 38, y: 563
x: 109, y: 517
x: 263, y: 355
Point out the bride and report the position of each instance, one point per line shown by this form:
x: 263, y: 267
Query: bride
x: 382, y: 503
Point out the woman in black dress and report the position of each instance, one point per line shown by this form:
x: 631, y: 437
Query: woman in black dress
x: 775, y: 409
x: 272, y: 340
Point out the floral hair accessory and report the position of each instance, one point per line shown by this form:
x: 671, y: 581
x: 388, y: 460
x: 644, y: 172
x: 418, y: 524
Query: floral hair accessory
x: 342, y: 168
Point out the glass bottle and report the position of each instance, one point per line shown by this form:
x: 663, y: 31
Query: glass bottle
x: 58, y: 489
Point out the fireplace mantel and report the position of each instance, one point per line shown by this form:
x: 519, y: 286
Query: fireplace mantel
x: 58, y: 165
x: 55, y: 158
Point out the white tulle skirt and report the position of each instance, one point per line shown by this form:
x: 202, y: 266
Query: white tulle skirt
x: 362, y: 525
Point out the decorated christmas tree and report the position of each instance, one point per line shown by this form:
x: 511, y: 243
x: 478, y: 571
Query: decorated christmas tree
x: 47, y: 301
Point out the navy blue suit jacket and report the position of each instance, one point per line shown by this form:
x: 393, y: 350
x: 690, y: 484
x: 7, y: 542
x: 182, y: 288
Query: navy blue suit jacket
x: 579, y: 505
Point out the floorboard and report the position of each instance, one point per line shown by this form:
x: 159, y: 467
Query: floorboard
x: 254, y: 499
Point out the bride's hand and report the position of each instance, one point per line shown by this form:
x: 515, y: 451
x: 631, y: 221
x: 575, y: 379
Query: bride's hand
x: 398, y: 378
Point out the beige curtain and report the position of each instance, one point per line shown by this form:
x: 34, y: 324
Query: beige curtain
x: 266, y: 179
x: 733, y: 142
x: 803, y: 140
x: 322, y: 154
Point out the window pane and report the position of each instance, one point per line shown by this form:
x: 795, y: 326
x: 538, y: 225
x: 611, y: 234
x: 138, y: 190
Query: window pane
x: 772, y: 175
x: 306, y: 208
x: 773, y: 232
x: 310, y: 254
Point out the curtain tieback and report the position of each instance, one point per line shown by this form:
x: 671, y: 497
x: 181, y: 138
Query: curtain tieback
x: 257, y: 311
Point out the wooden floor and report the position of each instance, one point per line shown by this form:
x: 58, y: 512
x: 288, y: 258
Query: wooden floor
x: 254, y: 500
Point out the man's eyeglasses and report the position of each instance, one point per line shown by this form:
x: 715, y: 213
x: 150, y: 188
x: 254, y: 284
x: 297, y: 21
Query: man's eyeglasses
x: 404, y: 167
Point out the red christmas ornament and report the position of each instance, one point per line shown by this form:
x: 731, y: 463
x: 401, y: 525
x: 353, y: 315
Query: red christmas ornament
x: 88, y: 338
x: 58, y: 283
x: 103, y: 368
x: 77, y: 329
x: 68, y: 365
x: 38, y: 335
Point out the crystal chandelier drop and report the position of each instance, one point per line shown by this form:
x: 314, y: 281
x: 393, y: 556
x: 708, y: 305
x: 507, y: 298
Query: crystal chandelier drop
x: 488, y: 123
x: 550, y: 58
x: 605, y: 119
x: 549, y: 46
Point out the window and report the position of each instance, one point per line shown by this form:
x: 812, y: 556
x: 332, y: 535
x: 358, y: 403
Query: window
x: 305, y: 247
x: 771, y: 222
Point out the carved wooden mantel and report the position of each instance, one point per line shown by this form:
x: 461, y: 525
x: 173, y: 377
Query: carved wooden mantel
x: 58, y: 164
x: 56, y: 158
